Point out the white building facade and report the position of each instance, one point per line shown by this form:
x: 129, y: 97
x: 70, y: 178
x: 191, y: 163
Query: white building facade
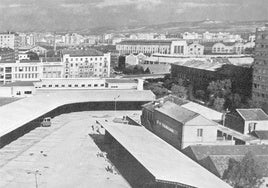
x: 89, y: 63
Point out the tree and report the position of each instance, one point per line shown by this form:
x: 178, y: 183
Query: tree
x: 233, y: 101
x: 244, y: 174
x: 200, y: 94
x: 220, y: 88
x: 180, y: 91
x: 218, y: 104
x: 121, y: 63
x: 157, y: 89
x: 147, y: 71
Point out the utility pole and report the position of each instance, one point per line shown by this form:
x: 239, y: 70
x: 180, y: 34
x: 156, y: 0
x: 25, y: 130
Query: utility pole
x: 35, y: 176
x: 115, y: 104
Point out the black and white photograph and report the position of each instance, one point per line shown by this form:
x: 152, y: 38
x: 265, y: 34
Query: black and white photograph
x: 133, y: 93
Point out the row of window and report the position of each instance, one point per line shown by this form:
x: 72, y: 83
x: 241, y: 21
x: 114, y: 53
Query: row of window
x: 262, y: 36
x: 260, y: 78
x: 26, y: 75
x: 261, y: 62
x: 264, y: 54
x: 238, y: 49
x: 84, y: 75
x: 260, y: 95
x: 73, y: 85
x: 90, y: 65
x: 85, y: 59
x: 20, y: 69
x: 260, y: 71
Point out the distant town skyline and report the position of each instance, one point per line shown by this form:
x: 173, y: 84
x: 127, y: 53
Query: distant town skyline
x: 30, y: 15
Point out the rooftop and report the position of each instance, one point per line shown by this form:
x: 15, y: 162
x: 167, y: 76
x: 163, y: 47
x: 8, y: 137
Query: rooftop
x: 19, y: 83
x: 163, y: 161
x: 176, y: 112
x: 203, y: 151
x: 253, y: 114
x: 204, y: 111
x: 121, y: 81
x: 77, y: 53
x: 262, y: 135
x: 18, y: 113
x: 209, y: 65
x: 146, y: 42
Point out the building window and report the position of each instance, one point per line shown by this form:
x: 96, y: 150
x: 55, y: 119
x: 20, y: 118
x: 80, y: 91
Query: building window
x: 70, y: 85
x: 62, y: 85
x: 49, y: 85
x: 28, y: 92
x: 89, y: 85
x: 75, y: 85
x: 199, y: 132
x: 56, y: 85
x: 95, y: 85
x: 83, y: 85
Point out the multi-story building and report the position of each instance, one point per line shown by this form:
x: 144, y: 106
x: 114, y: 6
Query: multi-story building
x: 200, y: 72
x: 194, y: 48
x: 26, y: 71
x: 260, y: 67
x: 152, y: 46
x: 86, y: 63
x: 8, y: 40
x: 228, y: 48
x: 7, y: 55
x: 53, y: 69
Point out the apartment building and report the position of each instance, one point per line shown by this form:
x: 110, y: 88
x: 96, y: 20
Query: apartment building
x: 7, y: 55
x: 152, y: 46
x: 26, y: 71
x: 260, y: 67
x: 8, y: 40
x: 86, y: 63
x: 54, y: 69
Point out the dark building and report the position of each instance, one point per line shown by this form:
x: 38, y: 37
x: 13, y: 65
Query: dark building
x: 200, y: 73
x: 7, y: 55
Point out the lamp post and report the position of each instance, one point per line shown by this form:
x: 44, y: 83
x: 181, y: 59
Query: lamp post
x: 35, y: 175
x: 115, y: 104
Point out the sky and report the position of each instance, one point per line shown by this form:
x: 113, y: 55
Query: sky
x: 23, y: 15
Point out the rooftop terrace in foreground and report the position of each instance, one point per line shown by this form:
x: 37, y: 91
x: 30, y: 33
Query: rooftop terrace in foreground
x: 16, y: 114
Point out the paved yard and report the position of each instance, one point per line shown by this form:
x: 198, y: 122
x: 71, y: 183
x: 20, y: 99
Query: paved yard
x: 63, y: 155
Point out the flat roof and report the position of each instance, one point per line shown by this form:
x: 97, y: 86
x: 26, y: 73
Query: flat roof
x: 18, y: 113
x: 163, y: 161
x: 145, y: 42
x: 120, y: 81
x: 87, y: 52
x: 19, y: 83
